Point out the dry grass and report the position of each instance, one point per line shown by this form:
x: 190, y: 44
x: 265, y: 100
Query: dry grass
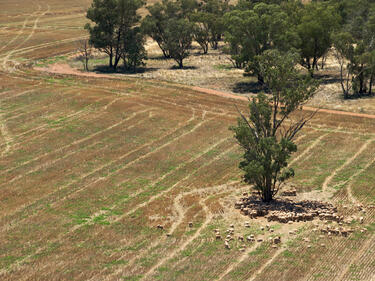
x: 90, y: 166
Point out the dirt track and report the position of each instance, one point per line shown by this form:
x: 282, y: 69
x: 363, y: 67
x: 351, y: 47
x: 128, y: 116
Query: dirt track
x: 67, y: 70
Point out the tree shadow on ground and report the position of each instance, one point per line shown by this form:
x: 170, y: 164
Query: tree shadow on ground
x: 108, y: 70
x: 160, y: 57
x: 176, y: 67
x: 287, y: 209
x: 248, y: 87
x: 326, y: 79
x: 358, y: 96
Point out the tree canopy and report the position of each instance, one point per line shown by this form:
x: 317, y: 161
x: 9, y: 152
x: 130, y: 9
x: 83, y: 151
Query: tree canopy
x: 114, y: 22
x: 250, y: 32
x: 264, y: 135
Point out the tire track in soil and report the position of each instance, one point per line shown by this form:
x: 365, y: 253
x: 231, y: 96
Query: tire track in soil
x: 19, y: 263
x: 157, y: 196
x: 159, y: 179
x: 209, y: 217
x: 213, y: 92
x: 6, y: 137
x: 72, y: 152
x: 351, y: 198
x: 177, y: 250
x: 349, y: 189
x: 331, y: 176
x: 19, y: 94
x: 308, y: 149
x: 346, y: 163
x: 180, y: 210
x: 40, y: 250
x: 25, y: 109
x: 22, y: 28
x: 78, y: 114
x: 44, y: 45
x: 49, y: 197
x: 180, y: 215
x: 263, y: 267
x: 156, y: 242
x: 35, y: 26
x: 242, y: 258
x: 245, y: 254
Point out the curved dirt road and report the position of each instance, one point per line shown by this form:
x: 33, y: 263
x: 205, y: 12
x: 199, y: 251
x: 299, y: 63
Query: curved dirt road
x: 66, y: 69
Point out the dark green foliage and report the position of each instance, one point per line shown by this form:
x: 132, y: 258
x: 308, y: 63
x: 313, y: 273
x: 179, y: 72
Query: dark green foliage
x: 178, y: 39
x: 156, y: 23
x: 134, y: 52
x: 201, y: 31
x: 103, y: 33
x: 213, y: 11
x: 355, y: 49
x: 113, y: 21
x: 267, y: 140
x: 170, y: 26
x: 318, y: 22
x: 206, y: 16
x: 250, y: 32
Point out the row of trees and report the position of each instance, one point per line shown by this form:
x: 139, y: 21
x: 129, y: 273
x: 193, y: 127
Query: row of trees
x: 253, y: 28
x: 117, y: 29
x: 347, y: 28
x: 249, y: 28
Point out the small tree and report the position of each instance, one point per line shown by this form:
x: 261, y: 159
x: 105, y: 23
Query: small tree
x: 102, y: 34
x: 179, y: 36
x: 267, y: 140
x: 214, y: 11
x: 113, y: 20
x: 84, y: 53
x: 201, y: 31
x: 252, y: 31
x: 318, y: 22
x: 343, y: 52
x: 134, y: 52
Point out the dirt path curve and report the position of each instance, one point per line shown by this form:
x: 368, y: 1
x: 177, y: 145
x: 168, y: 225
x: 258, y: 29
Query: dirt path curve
x: 260, y: 270
x: 35, y: 26
x: 241, y: 259
x: 349, y: 189
x: 347, y: 162
x: 182, y: 247
x: 308, y: 149
x: 22, y: 29
x: 66, y: 69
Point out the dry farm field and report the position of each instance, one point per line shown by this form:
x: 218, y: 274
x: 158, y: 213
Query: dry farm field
x: 90, y: 166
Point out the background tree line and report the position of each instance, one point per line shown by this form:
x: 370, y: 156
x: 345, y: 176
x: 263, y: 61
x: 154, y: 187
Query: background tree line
x: 248, y: 28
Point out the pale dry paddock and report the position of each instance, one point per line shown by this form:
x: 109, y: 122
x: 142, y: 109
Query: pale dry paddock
x: 90, y: 166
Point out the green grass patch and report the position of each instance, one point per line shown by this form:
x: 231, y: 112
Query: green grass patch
x: 115, y: 262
